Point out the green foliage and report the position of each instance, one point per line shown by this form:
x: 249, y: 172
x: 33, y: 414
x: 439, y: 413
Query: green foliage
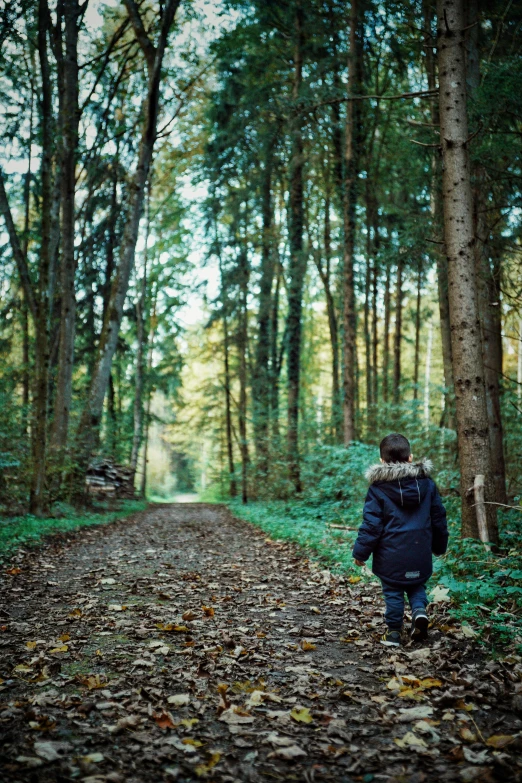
x: 28, y: 530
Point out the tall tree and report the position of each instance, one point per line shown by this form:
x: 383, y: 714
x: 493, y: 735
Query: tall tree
x: 297, y: 266
x: 349, y: 202
x: 467, y: 357
x: 69, y: 120
x: 88, y: 431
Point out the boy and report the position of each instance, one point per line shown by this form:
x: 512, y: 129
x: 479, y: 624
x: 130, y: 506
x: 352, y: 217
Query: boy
x: 404, y: 522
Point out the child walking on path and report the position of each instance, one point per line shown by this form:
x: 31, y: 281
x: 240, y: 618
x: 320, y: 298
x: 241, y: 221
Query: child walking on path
x: 404, y: 522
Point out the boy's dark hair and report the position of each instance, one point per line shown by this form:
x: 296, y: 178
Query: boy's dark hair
x: 395, y: 448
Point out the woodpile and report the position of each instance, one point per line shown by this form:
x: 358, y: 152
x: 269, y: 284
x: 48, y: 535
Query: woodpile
x: 106, y: 478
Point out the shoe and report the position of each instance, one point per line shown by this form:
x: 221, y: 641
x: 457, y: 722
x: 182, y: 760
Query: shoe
x: 391, y: 638
x: 419, y: 625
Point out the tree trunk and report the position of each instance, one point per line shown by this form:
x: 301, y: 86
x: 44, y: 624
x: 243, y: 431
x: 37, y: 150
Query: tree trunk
x: 488, y: 292
x: 70, y: 117
x: 417, y: 334
x: 468, y: 365
x: 349, y: 200
x: 274, y: 358
x: 88, y: 431
x: 375, y: 314
x: 297, y: 266
x: 140, y: 337
x: 326, y: 275
x: 436, y: 214
x: 42, y: 325
x: 261, y: 379
x: 366, y: 317
x: 25, y: 308
x: 386, y: 335
x: 228, y: 410
x: 243, y: 379
x: 397, y: 337
x: 143, y: 483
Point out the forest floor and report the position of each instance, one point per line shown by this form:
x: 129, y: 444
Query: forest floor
x: 182, y: 644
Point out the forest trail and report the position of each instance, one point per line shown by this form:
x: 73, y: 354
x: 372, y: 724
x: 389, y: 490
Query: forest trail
x: 181, y: 644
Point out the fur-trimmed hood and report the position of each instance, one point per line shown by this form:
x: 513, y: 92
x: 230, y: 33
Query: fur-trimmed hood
x: 397, y: 471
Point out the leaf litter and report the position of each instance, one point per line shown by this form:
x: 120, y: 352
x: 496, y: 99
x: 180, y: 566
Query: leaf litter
x: 184, y: 645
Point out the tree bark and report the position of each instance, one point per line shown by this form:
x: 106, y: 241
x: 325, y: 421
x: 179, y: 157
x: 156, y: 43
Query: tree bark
x: 397, y: 337
x: 297, y: 266
x: 437, y: 219
x: 349, y: 201
x: 143, y: 483
x: 141, y: 348
x: 468, y: 365
x: 325, y: 275
x: 488, y: 292
x: 88, y: 431
x: 70, y: 117
x: 417, y: 333
x: 42, y: 320
x: 386, y: 335
x: 243, y: 379
x: 261, y: 379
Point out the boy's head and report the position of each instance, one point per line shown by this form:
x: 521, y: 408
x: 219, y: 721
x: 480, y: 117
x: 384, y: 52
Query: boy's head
x: 395, y: 448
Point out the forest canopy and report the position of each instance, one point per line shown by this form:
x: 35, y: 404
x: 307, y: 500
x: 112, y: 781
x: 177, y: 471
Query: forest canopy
x: 243, y: 241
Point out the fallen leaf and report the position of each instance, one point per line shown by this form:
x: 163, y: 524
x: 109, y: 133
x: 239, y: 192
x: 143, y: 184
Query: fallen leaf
x: 499, y: 741
x: 188, y: 722
x: 30, y: 645
x: 190, y: 615
x: 354, y: 579
x: 116, y: 607
x: 301, y: 715
x: 172, y: 627
x: 208, y: 611
x: 165, y: 721
x: 179, y: 699
x: 278, y: 740
x: 128, y: 722
x: 410, y: 740
x: 415, y: 713
x: 288, y: 754
x: 64, y: 637
x: 255, y: 699
x: 315, y: 609
x: 108, y: 581
x: 305, y: 645
x: 61, y: 649
x: 475, y: 757
x: 13, y: 571
x: 466, y: 734
x: 234, y: 715
x: 50, y: 751
x: 440, y: 595
x: 29, y: 761
x: 93, y: 758
x: 75, y: 613
x: 202, y: 770
x: 195, y: 743
x: 467, y: 631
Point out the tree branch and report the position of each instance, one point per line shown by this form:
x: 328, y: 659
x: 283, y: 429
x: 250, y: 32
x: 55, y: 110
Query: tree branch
x: 16, y: 248
x: 148, y: 48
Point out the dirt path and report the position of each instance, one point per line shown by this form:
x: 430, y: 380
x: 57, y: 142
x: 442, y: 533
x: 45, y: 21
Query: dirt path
x: 182, y: 645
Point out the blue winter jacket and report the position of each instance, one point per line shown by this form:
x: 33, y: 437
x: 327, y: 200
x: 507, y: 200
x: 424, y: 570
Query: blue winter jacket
x: 404, y: 522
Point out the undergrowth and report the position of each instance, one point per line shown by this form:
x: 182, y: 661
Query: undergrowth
x: 485, y: 589
x: 28, y: 530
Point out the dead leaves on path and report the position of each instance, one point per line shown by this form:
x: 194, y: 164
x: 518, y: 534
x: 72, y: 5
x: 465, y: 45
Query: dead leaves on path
x: 244, y: 661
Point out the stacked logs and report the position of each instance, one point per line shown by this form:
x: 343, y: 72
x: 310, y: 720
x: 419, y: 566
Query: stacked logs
x: 107, y: 479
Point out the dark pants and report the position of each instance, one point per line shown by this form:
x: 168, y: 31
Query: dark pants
x: 394, y: 599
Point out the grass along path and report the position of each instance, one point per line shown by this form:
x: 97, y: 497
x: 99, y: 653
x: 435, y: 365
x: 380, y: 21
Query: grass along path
x: 182, y: 644
x: 16, y: 532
